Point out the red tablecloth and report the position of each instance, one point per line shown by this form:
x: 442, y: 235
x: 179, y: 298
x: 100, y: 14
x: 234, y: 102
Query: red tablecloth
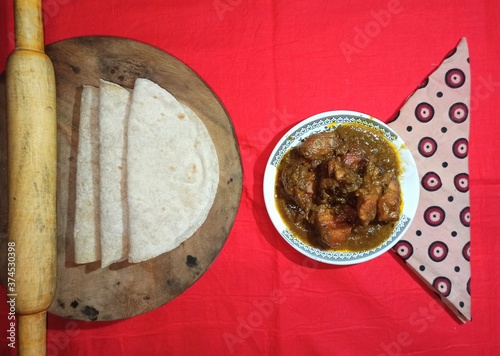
x: 274, y: 63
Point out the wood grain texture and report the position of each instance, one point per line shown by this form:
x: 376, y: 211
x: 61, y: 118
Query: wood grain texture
x: 122, y: 290
x: 32, y: 177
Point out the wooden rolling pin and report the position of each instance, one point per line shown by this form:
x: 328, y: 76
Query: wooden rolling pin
x: 32, y: 155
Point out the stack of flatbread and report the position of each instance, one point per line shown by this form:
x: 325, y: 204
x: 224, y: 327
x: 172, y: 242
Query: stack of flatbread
x: 147, y: 173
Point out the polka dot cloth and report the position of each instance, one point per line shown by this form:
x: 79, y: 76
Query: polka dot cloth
x: 434, y: 123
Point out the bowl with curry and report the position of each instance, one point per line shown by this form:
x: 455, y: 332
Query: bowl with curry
x: 341, y: 187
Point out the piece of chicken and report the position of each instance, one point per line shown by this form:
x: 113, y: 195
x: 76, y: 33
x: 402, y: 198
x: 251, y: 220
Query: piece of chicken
x: 369, y: 194
x: 389, y: 204
x: 299, y: 183
x: 349, y: 180
x: 320, y: 146
x: 355, y: 158
x: 334, y: 225
x: 367, y: 205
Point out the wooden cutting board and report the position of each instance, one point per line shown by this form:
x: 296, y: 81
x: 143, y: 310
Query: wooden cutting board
x: 122, y: 290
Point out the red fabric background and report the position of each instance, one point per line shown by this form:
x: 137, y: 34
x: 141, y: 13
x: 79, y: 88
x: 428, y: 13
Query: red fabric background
x: 274, y: 63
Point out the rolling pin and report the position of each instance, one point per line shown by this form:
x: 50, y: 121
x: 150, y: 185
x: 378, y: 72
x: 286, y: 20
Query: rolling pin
x: 32, y: 156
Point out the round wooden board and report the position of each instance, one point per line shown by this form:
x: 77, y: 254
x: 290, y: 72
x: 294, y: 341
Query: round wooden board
x: 122, y: 290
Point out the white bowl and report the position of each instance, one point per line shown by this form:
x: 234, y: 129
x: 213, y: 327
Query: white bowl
x: 328, y: 121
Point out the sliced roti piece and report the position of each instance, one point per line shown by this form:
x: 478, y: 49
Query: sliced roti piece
x: 172, y: 172
x: 86, y: 230
x: 114, y: 103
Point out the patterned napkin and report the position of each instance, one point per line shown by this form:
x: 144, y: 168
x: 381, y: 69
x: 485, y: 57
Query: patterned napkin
x: 434, y: 123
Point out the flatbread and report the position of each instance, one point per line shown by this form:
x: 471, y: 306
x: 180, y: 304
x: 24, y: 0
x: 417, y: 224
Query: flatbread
x: 172, y: 172
x: 209, y: 161
x: 114, y: 102
x: 86, y: 229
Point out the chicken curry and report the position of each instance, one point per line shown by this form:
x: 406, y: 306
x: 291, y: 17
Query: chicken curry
x: 340, y: 190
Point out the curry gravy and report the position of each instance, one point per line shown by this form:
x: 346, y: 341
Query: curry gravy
x: 383, y: 157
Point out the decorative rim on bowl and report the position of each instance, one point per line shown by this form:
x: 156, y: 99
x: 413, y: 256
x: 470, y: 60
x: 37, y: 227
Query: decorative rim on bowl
x: 329, y: 121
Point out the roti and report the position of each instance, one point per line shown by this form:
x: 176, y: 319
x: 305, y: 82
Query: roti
x: 209, y: 162
x: 86, y: 229
x: 114, y: 102
x: 172, y: 172
x: 147, y: 173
